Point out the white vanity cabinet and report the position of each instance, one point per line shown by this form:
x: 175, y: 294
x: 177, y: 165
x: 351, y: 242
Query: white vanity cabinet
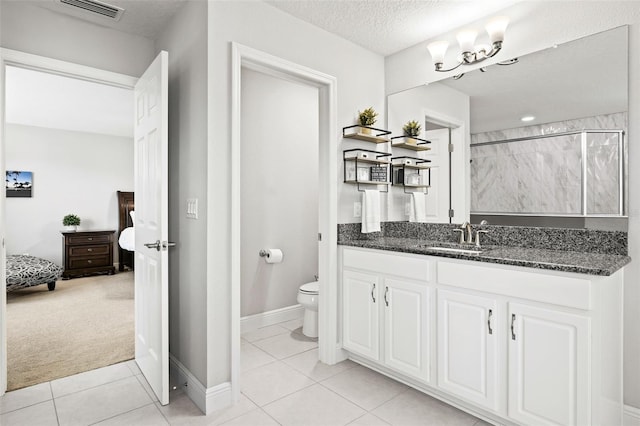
x: 360, y: 296
x: 386, y: 309
x: 548, y: 366
x: 469, y: 332
x: 510, y: 344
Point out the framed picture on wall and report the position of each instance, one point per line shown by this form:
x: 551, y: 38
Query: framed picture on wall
x: 18, y: 183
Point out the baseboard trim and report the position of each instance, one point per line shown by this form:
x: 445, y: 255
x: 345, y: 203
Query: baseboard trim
x: 207, y: 400
x: 631, y: 416
x: 253, y: 322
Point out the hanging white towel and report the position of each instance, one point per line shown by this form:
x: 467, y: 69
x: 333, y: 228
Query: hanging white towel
x: 370, y: 211
x: 418, y: 210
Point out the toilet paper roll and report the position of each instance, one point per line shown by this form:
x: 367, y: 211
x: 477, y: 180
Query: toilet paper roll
x: 273, y: 256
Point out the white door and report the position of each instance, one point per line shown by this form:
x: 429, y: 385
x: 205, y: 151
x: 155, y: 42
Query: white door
x: 151, y: 227
x: 437, y: 197
x: 406, y: 319
x: 3, y: 264
x: 468, y: 336
x: 361, y: 312
x: 548, y: 367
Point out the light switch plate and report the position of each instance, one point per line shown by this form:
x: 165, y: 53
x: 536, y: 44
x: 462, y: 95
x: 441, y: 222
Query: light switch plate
x: 192, y: 208
x: 357, y: 209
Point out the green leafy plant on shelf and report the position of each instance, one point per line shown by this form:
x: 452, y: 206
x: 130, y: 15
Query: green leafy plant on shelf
x: 71, y: 220
x: 367, y: 117
x: 412, y: 129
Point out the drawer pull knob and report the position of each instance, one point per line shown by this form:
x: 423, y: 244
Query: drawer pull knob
x: 89, y: 249
x: 90, y: 238
x: 89, y: 261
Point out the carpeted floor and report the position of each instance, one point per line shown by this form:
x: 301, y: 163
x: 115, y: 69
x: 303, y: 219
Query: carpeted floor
x: 86, y: 323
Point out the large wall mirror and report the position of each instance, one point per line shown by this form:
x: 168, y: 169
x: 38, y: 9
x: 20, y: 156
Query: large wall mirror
x: 567, y: 165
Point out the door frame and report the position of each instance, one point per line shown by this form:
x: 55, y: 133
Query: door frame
x: 244, y: 56
x: 53, y: 66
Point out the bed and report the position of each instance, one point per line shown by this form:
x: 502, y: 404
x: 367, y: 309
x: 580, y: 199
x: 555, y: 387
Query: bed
x: 27, y: 271
x: 125, y: 230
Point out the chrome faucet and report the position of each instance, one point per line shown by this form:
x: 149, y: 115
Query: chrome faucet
x: 466, y: 236
x: 466, y: 226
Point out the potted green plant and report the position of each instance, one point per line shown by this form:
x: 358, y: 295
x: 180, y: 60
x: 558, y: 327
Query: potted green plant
x: 71, y: 222
x: 367, y: 118
x: 411, y: 130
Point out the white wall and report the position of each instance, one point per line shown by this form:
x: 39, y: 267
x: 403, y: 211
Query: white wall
x: 185, y: 38
x: 40, y: 31
x: 360, y: 76
x: 535, y: 26
x: 279, y: 189
x: 73, y: 172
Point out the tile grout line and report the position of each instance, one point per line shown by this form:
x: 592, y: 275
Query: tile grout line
x: 92, y: 387
x: 120, y: 414
x: 30, y: 405
x: 269, y: 415
x: 55, y: 407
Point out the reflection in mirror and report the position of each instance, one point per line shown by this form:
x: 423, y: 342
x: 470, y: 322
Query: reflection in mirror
x: 566, y: 166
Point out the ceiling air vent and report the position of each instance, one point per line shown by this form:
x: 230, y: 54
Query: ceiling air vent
x: 96, y: 7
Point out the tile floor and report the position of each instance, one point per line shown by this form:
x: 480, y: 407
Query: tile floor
x: 282, y: 383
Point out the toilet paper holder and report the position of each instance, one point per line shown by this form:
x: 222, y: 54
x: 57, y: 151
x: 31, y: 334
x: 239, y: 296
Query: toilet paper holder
x: 263, y: 253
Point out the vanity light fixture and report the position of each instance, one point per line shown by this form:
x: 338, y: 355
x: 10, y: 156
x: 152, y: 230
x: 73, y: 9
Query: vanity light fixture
x: 527, y: 118
x: 470, y: 52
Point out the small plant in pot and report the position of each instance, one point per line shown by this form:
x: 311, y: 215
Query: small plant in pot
x: 411, y: 130
x: 367, y: 118
x: 71, y: 222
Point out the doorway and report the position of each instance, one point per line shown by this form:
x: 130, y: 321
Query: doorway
x: 244, y: 57
x: 23, y: 60
x: 74, y: 138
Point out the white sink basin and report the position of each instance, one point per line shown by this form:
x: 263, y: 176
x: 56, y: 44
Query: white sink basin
x: 455, y: 250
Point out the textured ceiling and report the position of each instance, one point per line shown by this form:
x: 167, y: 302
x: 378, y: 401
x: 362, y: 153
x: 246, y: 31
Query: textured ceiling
x: 388, y: 26
x: 145, y: 18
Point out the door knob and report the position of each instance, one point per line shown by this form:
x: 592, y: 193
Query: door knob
x: 167, y: 244
x: 155, y: 245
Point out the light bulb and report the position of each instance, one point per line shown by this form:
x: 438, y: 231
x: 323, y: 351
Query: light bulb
x: 496, y: 28
x: 437, y: 49
x: 466, y: 40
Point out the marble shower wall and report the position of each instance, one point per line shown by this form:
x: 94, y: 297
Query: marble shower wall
x: 544, y: 175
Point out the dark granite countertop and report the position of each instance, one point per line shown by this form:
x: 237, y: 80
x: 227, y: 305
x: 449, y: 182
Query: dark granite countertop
x: 555, y: 260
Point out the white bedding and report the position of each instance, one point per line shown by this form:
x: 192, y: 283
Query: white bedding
x: 127, y: 239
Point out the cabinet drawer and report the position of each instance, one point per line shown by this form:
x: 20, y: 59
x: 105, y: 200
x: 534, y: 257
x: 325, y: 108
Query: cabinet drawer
x: 88, y: 239
x: 389, y: 263
x: 88, y: 250
x: 574, y: 292
x: 89, y: 262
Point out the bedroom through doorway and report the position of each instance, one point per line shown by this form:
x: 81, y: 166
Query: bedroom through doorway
x: 75, y: 138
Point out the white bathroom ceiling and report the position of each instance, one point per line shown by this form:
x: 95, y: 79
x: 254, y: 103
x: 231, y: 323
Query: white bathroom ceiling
x: 35, y: 98
x: 388, y: 26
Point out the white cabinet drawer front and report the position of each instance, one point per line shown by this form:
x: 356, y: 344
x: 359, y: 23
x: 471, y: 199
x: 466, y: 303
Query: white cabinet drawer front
x: 548, y: 367
x: 469, y: 329
x: 401, y: 264
x: 574, y: 292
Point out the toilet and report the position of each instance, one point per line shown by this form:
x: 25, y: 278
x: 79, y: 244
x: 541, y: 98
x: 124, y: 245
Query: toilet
x: 308, y: 298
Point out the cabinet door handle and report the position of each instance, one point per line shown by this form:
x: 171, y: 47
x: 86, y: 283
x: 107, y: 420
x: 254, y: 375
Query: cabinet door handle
x: 489, y: 321
x: 386, y: 291
x: 372, y: 290
x: 513, y: 320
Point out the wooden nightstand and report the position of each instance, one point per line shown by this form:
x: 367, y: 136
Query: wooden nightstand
x: 87, y: 253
